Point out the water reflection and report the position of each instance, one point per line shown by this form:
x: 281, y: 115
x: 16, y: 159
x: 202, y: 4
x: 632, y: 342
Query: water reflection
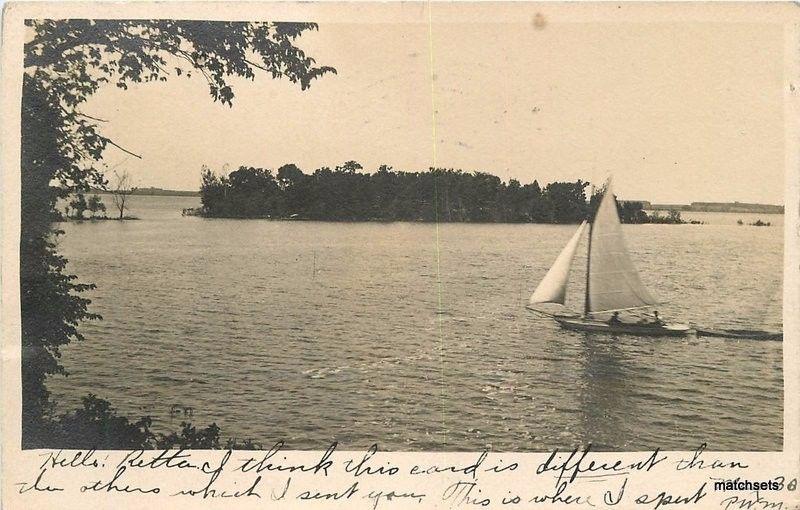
x: 603, y: 390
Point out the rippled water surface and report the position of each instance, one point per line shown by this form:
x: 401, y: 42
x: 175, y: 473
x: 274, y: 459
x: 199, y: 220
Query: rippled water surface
x: 314, y: 332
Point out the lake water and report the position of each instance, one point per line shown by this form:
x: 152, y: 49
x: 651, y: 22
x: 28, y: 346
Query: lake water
x: 316, y: 332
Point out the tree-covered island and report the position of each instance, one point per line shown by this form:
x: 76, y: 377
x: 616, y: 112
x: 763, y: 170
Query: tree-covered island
x: 444, y: 195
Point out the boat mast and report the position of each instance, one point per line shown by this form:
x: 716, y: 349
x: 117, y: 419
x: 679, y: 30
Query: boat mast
x: 588, y: 255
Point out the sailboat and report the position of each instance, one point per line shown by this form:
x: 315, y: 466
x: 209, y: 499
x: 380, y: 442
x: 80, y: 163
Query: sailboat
x: 612, y: 282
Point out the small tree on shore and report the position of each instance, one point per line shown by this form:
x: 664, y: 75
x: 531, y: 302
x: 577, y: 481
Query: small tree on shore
x: 78, y: 204
x: 675, y: 216
x: 96, y: 205
x: 122, y: 188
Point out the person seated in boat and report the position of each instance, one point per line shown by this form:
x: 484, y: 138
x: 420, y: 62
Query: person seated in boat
x: 614, y: 319
x: 656, y: 319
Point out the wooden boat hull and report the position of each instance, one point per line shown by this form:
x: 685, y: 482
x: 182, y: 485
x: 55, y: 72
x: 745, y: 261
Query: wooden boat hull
x: 749, y: 334
x: 597, y: 326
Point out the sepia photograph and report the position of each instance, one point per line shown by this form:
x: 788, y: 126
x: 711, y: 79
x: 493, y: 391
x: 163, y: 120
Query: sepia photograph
x: 440, y: 233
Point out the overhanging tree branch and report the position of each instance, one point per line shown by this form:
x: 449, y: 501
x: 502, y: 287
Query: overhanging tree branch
x: 123, y: 149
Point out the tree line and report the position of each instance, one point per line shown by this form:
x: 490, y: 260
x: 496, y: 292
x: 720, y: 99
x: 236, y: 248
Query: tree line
x: 446, y: 195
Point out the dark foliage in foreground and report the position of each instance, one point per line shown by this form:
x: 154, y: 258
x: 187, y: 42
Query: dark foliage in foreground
x: 444, y: 195
x: 66, y: 61
x: 97, y: 426
x: 50, y: 299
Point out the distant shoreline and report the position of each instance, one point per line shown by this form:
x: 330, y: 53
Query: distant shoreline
x: 722, y: 207
x: 154, y: 192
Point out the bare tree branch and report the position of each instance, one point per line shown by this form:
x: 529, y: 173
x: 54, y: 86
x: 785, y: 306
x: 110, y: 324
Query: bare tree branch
x: 123, y: 149
x: 90, y: 117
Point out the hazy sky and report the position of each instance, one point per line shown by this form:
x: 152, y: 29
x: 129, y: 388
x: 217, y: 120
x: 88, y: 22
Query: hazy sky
x: 677, y: 112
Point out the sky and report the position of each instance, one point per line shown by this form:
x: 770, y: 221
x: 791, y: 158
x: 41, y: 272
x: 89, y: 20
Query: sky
x: 676, y: 112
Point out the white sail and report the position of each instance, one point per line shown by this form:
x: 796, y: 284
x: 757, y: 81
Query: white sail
x: 613, y: 281
x: 553, y: 287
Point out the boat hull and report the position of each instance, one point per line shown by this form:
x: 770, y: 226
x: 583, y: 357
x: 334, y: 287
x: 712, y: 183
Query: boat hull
x: 597, y: 326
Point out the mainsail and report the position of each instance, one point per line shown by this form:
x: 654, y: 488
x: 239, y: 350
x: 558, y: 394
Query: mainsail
x: 613, y: 281
x: 553, y: 287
